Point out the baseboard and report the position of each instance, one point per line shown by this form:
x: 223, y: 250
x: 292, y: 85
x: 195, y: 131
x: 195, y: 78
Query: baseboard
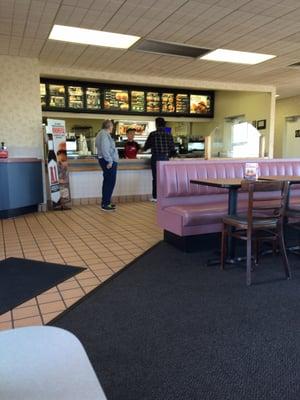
x: 194, y: 243
x: 97, y: 200
x: 16, y: 212
x: 212, y: 241
x: 115, y: 199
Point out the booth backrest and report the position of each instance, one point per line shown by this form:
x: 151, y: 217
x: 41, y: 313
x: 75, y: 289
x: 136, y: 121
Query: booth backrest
x: 174, y: 176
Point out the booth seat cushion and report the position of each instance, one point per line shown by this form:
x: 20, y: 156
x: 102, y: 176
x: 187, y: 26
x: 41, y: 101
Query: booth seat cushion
x: 210, y: 213
x: 194, y: 215
x: 189, y: 209
x: 178, y: 176
x: 174, y: 177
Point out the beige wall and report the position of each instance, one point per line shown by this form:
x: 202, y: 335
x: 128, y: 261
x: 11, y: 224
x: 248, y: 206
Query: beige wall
x: 255, y: 106
x: 284, y: 108
x: 95, y: 124
x: 20, y: 111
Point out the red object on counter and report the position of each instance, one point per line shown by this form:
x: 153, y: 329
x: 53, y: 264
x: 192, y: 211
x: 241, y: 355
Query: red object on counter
x: 3, y: 153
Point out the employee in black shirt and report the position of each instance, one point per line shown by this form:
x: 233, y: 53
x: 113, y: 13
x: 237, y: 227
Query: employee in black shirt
x: 162, y: 147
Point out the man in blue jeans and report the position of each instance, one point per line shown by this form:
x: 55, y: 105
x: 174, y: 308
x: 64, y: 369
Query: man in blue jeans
x: 162, y: 147
x: 108, y: 158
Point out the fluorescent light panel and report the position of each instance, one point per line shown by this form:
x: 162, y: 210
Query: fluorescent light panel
x: 92, y: 37
x: 238, y: 57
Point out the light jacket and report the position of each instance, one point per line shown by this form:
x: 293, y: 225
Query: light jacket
x: 106, y: 147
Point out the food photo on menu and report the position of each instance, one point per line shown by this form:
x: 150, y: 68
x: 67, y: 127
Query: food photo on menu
x: 200, y: 104
x: 116, y: 100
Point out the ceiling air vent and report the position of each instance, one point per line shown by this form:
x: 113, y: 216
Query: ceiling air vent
x: 295, y: 65
x: 170, y: 49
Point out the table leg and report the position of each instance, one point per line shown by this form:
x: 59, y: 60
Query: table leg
x: 232, y: 208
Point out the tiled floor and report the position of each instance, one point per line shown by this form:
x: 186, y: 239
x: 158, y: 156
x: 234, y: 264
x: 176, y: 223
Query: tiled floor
x: 83, y: 236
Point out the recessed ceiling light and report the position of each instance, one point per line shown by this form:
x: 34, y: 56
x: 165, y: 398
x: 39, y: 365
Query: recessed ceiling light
x: 92, y: 37
x: 239, y: 57
x: 277, y: 95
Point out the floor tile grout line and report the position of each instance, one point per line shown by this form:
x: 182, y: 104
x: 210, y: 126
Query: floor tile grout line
x: 37, y: 223
x: 78, y: 254
x: 139, y: 246
x: 87, y: 246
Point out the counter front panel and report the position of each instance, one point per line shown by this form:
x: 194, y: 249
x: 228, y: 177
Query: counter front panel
x: 21, y: 186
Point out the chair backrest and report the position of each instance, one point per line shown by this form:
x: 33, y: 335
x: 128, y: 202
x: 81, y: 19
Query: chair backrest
x: 266, y: 199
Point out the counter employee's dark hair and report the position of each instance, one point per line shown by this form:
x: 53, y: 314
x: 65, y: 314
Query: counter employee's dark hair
x: 160, y: 122
x: 130, y: 130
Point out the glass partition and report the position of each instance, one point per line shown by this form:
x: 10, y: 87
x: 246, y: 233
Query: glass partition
x: 236, y: 140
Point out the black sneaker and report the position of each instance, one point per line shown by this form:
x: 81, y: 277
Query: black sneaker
x: 108, y: 208
x: 113, y: 206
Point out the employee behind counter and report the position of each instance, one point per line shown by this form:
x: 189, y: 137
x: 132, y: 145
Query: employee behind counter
x: 131, y: 147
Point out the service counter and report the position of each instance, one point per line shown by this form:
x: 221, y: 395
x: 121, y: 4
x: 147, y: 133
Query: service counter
x: 134, y: 179
x: 21, y: 188
x: 90, y: 163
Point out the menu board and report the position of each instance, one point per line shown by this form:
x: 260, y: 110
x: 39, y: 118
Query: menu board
x: 57, y: 96
x: 75, y: 96
x: 152, y: 102
x: 43, y: 94
x: 182, y: 103
x: 167, y: 102
x: 115, y: 99
x: 137, y: 101
x: 93, y: 98
x: 200, y: 104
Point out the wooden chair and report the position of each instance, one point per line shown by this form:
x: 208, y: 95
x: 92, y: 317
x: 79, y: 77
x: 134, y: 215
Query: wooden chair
x: 262, y: 221
x: 292, y: 218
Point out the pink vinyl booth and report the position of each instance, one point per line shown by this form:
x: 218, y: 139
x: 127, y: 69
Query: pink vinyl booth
x: 186, y: 209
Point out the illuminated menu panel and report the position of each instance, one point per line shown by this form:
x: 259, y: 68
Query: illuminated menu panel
x: 137, y: 101
x: 43, y: 94
x: 152, y: 102
x: 167, y: 102
x: 98, y: 97
x: 182, y: 103
x: 116, y: 100
x: 57, y: 96
x: 93, y: 98
x: 200, y: 104
x: 75, y: 96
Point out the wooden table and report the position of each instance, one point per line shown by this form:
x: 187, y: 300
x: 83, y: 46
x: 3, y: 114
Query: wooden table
x: 292, y: 179
x: 232, y: 184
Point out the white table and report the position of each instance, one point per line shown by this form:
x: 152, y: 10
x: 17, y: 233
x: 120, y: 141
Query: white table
x: 45, y: 363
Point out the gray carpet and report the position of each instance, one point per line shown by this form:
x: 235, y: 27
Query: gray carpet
x: 169, y: 328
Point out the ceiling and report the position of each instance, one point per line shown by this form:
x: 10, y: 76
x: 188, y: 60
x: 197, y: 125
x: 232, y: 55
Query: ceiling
x: 266, y: 26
